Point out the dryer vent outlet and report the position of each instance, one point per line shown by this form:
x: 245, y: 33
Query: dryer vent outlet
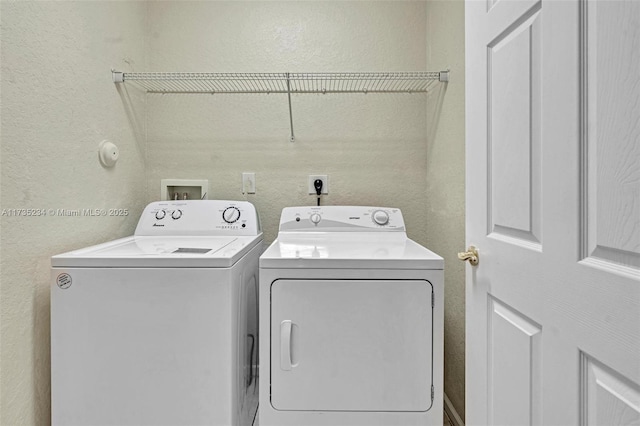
x: 325, y: 184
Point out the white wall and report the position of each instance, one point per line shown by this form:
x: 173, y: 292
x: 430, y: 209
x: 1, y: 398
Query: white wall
x: 373, y: 147
x: 445, y: 176
x: 57, y: 104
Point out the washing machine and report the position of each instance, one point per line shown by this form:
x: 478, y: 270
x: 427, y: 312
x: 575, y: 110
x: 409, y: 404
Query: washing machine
x: 351, y: 321
x: 160, y: 328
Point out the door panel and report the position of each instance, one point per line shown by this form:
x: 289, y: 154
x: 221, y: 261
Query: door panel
x: 608, y: 398
x: 553, y: 205
x: 333, y: 342
x: 610, y: 169
x: 513, y: 65
x: 514, y: 366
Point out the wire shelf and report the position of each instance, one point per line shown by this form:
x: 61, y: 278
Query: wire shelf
x: 362, y: 82
x: 289, y: 83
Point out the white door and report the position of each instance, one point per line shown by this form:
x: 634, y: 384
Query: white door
x: 553, y: 205
x: 351, y: 345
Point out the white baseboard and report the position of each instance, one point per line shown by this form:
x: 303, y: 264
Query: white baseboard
x: 451, y: 412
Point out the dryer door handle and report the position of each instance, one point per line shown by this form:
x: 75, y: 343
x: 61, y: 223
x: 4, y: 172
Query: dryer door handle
x: 285, y: 345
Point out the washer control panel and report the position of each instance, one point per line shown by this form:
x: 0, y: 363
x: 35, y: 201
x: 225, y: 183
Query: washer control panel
x: 341, y: 219
x: 199, y: 217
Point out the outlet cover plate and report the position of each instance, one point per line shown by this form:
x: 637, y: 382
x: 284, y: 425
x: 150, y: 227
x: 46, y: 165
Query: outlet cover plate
x: 325, y: 184
x: 248, y: 183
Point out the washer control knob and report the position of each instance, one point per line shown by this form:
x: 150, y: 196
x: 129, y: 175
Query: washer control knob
x: 315, y: 218
x: 160, y: 214
x: 177, y: 214
x: 380, y: 217
x: 231, y: 214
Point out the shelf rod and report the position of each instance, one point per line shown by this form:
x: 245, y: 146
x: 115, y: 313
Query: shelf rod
x: 292, y: 138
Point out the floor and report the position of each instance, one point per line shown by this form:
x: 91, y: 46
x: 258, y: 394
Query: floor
x: 446, y: 422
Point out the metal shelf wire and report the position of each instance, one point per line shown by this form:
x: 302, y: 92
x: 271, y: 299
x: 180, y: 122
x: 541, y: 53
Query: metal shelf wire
x: 288, y: 83
x: 358, y: 82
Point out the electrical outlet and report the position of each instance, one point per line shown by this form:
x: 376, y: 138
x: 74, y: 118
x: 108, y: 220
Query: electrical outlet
x: 248, y: 183
x: 325, y: 184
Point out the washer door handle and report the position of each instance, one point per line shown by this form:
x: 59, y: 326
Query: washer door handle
x: 285, y: 345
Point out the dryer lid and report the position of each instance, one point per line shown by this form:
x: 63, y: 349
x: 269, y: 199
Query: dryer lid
x: 354, y: 250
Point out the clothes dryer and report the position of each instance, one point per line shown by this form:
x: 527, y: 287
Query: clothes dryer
x: 351, y: 321
x: 160, y: 328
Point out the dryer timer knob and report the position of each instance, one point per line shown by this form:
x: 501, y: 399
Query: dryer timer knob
x: 380, y: 217
x: 315, y: 218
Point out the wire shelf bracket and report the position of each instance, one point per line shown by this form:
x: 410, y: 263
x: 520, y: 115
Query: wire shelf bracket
x: 285, y: 83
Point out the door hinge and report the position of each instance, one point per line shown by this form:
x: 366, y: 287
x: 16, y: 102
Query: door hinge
x: 433, y: 300
x: 432, y: 393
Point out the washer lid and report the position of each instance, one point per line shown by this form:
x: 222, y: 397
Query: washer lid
x: 348, y: 250
x: 160, y: 252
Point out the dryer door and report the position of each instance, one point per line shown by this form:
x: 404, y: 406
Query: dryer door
x: 351, y: 345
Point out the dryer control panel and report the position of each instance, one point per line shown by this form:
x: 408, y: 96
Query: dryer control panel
x: 199, y: 217
x: 341, y: 219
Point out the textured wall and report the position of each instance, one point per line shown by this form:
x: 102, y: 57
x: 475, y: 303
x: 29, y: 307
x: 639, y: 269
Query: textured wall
x: 373, y: 147
x: 445, y: 177
x: 57, y: 104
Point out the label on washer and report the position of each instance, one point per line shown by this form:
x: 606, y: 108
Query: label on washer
x: 64, y: 281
